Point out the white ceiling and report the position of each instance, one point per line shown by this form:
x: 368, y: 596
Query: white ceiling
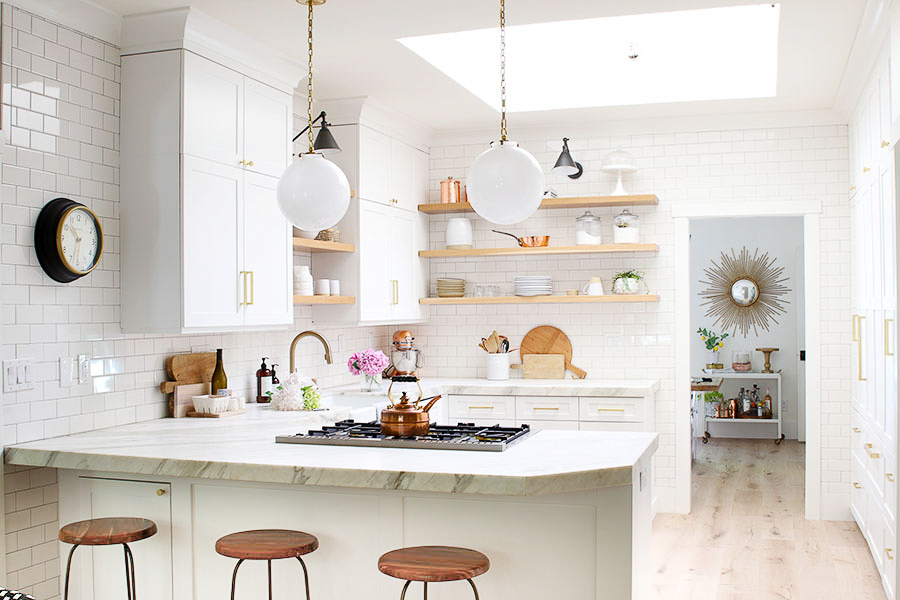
x: 357, y: 53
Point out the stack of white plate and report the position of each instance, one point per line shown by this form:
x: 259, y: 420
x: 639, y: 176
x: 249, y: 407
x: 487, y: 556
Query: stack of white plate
x: 533, y: 285
x: 451, y: 288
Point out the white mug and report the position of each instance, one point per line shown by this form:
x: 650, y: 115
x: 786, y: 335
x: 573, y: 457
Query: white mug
x: 594, y: 288
x: 335, y: 287
x: 323, y: 287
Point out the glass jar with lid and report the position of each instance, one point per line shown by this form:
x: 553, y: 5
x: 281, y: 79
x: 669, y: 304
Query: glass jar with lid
x: 587, y: 229
x: 626, y: 229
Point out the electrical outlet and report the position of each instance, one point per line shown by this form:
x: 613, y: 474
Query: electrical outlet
x: 66, y: 371
x: 18, y: 375
x: 84, y: 369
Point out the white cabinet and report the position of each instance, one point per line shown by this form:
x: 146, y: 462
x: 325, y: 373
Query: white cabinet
x: 204, y: 246
x: 374, y: 165
x: 99, y: 572
x: 874, y: 391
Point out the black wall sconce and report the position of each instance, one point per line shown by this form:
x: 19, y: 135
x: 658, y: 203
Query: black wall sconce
x: 325, y: 142
x: 565, y: 165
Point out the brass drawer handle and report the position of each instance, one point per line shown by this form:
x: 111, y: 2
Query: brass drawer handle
x: 856, y: 485
x: 869, y: 451
x: 887, y: 337
x: 889, y: 552
x: 546, y: 408
x: 866, y: 169
x: 890, y: 477
x: 852, y: 188
x: 854, y: 320
x: 611, y: 410
x: 857, y: 430
x: 859, y: 345
x: 885, y: 144
x: 481, y: 408
x: 160, y: 492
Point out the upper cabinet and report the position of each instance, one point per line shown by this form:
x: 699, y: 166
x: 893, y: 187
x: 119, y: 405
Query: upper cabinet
x: 204, y: 140
x: 870, y: 130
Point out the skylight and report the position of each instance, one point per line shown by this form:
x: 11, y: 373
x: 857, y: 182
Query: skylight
x: 708, y: 54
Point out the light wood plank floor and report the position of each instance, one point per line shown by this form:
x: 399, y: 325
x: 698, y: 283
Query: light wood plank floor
x: 746, y: 538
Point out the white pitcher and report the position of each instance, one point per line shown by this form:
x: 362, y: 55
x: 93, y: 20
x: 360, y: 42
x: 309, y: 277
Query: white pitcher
x: 594, y: 287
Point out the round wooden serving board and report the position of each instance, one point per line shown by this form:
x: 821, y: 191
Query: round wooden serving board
x: 547, y: 339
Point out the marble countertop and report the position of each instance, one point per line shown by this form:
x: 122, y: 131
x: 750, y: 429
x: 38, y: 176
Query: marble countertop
x: 243, y: 448
x: 532, y: 387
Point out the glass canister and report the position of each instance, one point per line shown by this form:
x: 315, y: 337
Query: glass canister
x: 626, y: 228
x: 587, y: 229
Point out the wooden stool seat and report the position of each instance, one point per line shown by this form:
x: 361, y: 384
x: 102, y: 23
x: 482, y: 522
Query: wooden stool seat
x: 433, y: 563
x: 266, y: 544
x: 107, y: 531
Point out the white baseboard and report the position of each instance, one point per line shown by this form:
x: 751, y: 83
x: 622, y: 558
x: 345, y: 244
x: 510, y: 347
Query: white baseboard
x: 836, y: 507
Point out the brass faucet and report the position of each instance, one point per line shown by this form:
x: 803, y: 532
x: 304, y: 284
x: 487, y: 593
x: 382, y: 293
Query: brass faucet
x: 319, y: 337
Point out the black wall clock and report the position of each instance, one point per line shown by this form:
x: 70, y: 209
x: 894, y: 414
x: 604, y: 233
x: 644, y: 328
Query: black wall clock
x: 68, y: 240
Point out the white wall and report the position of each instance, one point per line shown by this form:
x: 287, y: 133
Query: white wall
x: 782, y: 238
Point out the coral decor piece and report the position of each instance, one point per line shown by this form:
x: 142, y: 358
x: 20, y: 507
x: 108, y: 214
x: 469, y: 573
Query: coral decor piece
x: 297, y: 392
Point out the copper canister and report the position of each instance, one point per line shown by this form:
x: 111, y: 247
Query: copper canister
x: 449, y: 190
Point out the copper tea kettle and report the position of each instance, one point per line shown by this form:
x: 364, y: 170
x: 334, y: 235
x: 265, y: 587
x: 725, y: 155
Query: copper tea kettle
x: 405, y: 418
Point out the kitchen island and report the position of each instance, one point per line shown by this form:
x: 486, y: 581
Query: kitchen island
x: 559, y: 513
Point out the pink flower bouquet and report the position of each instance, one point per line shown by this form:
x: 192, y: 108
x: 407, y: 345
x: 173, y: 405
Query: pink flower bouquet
x: 368, y: 362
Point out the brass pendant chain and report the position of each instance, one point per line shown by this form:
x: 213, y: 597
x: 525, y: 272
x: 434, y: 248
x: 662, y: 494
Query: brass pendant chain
x: 502, y: 71
x: 309, y: 79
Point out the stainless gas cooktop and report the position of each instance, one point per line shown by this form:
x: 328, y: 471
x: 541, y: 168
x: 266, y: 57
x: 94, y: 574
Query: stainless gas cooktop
x: 463, y: 436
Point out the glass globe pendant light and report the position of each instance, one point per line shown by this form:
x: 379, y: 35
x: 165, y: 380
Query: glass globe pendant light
x: 313, y: 192
x: 506, y: 183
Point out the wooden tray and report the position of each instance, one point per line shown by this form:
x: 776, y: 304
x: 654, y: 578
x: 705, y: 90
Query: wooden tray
x: 221, y: 415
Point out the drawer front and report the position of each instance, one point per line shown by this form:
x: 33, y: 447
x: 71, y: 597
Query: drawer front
x: 858, y: 492
x: 612, y: 409
x: 857, y: 435
x: 546, y: 408
x: 473, y: 408
x: 875, y: 532
x: 890, y: 492
x: 874, y: 461
x: 609, y: 426
x: 889, y: 572
x: 557, y: 425
x: 486, y: 422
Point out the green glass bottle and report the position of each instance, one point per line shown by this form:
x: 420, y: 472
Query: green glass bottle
x: 219, y: 379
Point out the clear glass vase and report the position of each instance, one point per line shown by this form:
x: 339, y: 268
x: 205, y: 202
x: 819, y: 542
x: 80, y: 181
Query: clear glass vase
x: 369, y: 383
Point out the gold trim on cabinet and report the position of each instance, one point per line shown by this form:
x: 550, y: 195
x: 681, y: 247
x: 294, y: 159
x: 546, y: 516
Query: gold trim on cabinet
x: 243, y: 275
x: 481, y: 408
x: 852, y: 188
x: 395, y: 292
x: 885, y: 144
x: 546, y: 408
x: 870, y: 452
x: 890, y: 477
x: 866, y: 169
x: 854, y: 321
x: 856, y: 485
x: 857, y: 430
x: 887, y: 336
x: 888, y: 552
x: 859, y: 345
x: 252, y: 288
x: 611, y: 410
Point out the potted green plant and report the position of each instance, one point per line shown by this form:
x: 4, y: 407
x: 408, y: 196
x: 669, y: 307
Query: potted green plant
x: 713, y: 402
x: 629, y: 282
x: 714, y: 343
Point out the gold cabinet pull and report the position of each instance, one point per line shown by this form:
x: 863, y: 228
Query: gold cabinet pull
x: 160, y: 492
x: 546, y: 408
x: 854, y: 321
x: 852, y: 188
x: 481, y: 408
x: 395, y: 292
x: 890, y: 477
x: 244, y: 281
x: 885, y: 144
x: 857, y: 430
x: 252, y: 288
x: 394, y: 201
x: 870, y: 452
x: 611, y: 410
x: 889, y: 552
x: 250, y: 164
x: 856, y: 485
x: 887, y: 337
x: 859, y: 345
x: 866, y: 169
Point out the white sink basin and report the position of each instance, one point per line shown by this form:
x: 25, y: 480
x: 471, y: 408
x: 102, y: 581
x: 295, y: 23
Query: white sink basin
x: 364, y: 407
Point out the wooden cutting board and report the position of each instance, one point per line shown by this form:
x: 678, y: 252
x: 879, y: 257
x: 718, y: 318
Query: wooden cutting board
x: 547, y: 339
x: 543, y: 366
x: 182, y: 401
x: 197, y: 367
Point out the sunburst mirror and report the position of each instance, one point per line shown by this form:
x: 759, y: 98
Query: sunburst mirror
x: 744, y: 292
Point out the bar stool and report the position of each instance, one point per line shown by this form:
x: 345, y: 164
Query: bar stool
x: 434, y: 564
x: 107, y: 532
x: 12, y: 595
x: 267, y: 545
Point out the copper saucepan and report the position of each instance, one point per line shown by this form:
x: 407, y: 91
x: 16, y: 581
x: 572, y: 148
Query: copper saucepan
x: 528, y: 241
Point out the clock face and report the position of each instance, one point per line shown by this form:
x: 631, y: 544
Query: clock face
x: 79, y: 240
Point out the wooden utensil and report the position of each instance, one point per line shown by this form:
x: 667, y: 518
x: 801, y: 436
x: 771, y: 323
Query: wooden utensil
x: 547, y: 339
x: 182, y: 401
x: 543, y: 366
x: 196, y: 367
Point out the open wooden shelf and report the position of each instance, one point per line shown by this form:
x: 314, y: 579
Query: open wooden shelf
x: 516, y: 251
x: 320, y: 246
x: 543, y: 299
x: 580, y: 202
x: 324, y: 300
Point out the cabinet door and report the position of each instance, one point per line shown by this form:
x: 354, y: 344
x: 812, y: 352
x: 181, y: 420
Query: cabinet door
x: 884, y: 105
x: 212, y: 244
x: 402, y: 175
x: 374, y: 166
x: 267, y: 128
x: 268, y: 255
x: 402, y: 259
x: 213, y: 122
x: 152, y: 556
x: 375, y: 236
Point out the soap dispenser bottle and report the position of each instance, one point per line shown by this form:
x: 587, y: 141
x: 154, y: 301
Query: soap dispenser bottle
x: 263, y: 382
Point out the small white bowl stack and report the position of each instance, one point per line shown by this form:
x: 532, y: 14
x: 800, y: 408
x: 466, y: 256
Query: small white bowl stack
x: 533, y: 285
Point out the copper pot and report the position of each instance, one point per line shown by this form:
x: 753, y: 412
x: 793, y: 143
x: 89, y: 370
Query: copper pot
x: 528, y: 241
x: 407, y: 419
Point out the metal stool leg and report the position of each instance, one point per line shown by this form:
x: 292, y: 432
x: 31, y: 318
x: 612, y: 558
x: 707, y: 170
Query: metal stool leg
x: 403, y: 593
x: 234, y: 577
x: 127, y: 573
x: 474, y: 589
x: 425, y: 590
x: 129, y: 568
x: 68, y: 570
x: 305, y: 576
x: 270, y: 578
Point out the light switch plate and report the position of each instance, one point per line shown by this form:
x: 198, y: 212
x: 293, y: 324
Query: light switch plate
x: 84, y: 368
x: 66, y: 371
x: 18, y: 375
